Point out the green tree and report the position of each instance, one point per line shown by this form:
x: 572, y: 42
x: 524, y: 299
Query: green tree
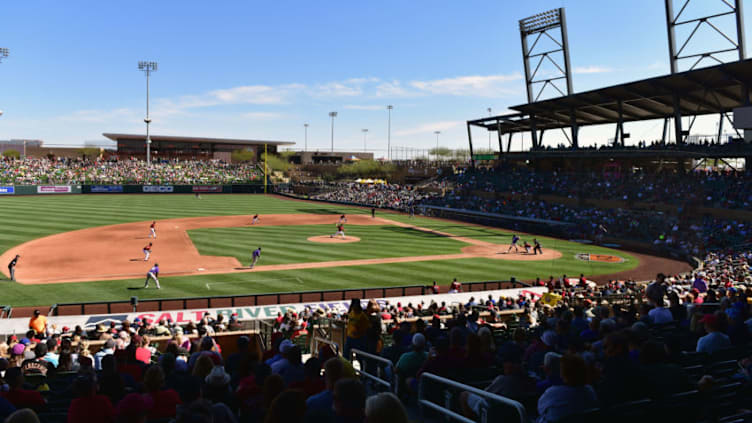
x: 245, y: 155
x: 441, y: 152
x: 366, y: 169
x: 13, y: 154
x: 88, y: 152
x: 274, y: 162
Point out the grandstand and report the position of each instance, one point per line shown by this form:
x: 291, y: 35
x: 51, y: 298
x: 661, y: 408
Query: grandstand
x: 360, y: 332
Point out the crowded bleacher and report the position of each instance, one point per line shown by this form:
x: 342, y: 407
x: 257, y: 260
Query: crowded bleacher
x: 676, y: 349
x: 35, y: 171
x: 393, y: 196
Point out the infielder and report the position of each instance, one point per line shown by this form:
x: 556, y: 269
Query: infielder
x: 12, y: 267
x: 153, y: 273
x: 255, y: 256
x: 340, y: 231
x: 147, y: 252
x: 537, y: 249
x: 255, y: 219
x: 153, y: 229
x: 343, y: 219
x: 515, y: 239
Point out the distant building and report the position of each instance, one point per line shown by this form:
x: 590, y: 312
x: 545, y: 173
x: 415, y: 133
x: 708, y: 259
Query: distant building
x: 168, y: 147
x: 18, y: 145
x: 323, y: 157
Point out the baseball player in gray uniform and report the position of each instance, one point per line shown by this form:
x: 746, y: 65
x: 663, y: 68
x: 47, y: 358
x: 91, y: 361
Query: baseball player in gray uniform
x: 153, y: 273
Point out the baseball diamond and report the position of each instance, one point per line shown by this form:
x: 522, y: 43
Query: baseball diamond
x: 88, y: 247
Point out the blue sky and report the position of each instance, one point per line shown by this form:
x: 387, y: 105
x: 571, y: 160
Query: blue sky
x: 261, y: 69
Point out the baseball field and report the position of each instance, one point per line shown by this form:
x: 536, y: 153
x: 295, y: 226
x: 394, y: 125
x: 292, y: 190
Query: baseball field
x: 89, y: 248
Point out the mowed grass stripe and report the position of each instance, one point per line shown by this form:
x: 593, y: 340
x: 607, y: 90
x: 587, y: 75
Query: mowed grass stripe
x: 289, y: 244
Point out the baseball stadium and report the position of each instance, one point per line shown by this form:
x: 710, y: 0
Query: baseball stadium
x: 565, y: 273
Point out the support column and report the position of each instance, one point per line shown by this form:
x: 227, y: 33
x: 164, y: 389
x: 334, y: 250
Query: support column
x: 498, y: 135
x: 720, y: 128
x: 534, y: 132
x: 665, y: 130
x: 470, y: 142
x: 509, y: 142
x: 574, y: 128
x: 677, y: 120
x: 620, y: 125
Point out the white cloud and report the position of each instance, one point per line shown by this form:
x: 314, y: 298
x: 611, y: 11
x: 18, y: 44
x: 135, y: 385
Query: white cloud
x: 337, y: 89
x: 428, y: 128
x: 392, y: 89
x: 592, y: 69
x: 253, y: 94
x: 473, y: 85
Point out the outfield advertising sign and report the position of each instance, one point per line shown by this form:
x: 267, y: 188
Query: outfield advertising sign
x: 106, y: 188
x: 207, y: 188
x: 7, y: 190
x: 54, y: 189
x: 20, y: 325
x: 158, y: 188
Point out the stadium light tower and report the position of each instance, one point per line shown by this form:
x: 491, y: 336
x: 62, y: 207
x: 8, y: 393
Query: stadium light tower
x: 3, y: 53
x: 332, y: 115
x: 389, y: 133
x: 437, y: 144
x: 147, y: 68
x: 365, y: 138
x: 305, y: 126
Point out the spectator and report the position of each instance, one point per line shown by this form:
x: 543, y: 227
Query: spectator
x: 23, y: 416
x: 290, y: 366
x: 349, y: 401
x: 133, y: 409
x: 410, y: 362
x: 287, y: 407
x: 108, y: 349
x: 38, y: 323
x: 88, y: 406
x: 216, y: 389
x: 715, y: 340
x: 385, y: 408
x: 320, y: 405
x: 19, y: 397
x: 312, y: 382
x: 165, y: 400
x: 357, y: 328
x: 573, y: 397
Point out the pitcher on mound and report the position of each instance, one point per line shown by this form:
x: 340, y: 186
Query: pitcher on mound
x: 340, y: 231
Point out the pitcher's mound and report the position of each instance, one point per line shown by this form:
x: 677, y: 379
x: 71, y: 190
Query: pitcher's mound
x: 500, y: 252
x: 326, y: 239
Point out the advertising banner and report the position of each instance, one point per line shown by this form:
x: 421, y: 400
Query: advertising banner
x: 54, y: 189
x: 158, y: 188
x: 6, y: 190
x: 106, y: 188
x: 207, y: 188
x: 20, y: 325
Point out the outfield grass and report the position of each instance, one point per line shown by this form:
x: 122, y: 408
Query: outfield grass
x: 27, y: 218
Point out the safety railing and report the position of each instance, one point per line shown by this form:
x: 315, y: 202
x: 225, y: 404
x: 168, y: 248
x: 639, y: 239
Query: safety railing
x: 316, y: 340
x: 492, y: 408
x: 381, y: 363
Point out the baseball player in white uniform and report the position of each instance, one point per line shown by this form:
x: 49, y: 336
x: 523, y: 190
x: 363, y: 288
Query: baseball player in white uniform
x: 147, y: 252
x: 153, y: 273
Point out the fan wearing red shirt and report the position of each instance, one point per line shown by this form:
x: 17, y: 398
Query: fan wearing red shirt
x: 21, y: 398
x: 89, y: 407
x: 143, y: 353
x: 165, y: 400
